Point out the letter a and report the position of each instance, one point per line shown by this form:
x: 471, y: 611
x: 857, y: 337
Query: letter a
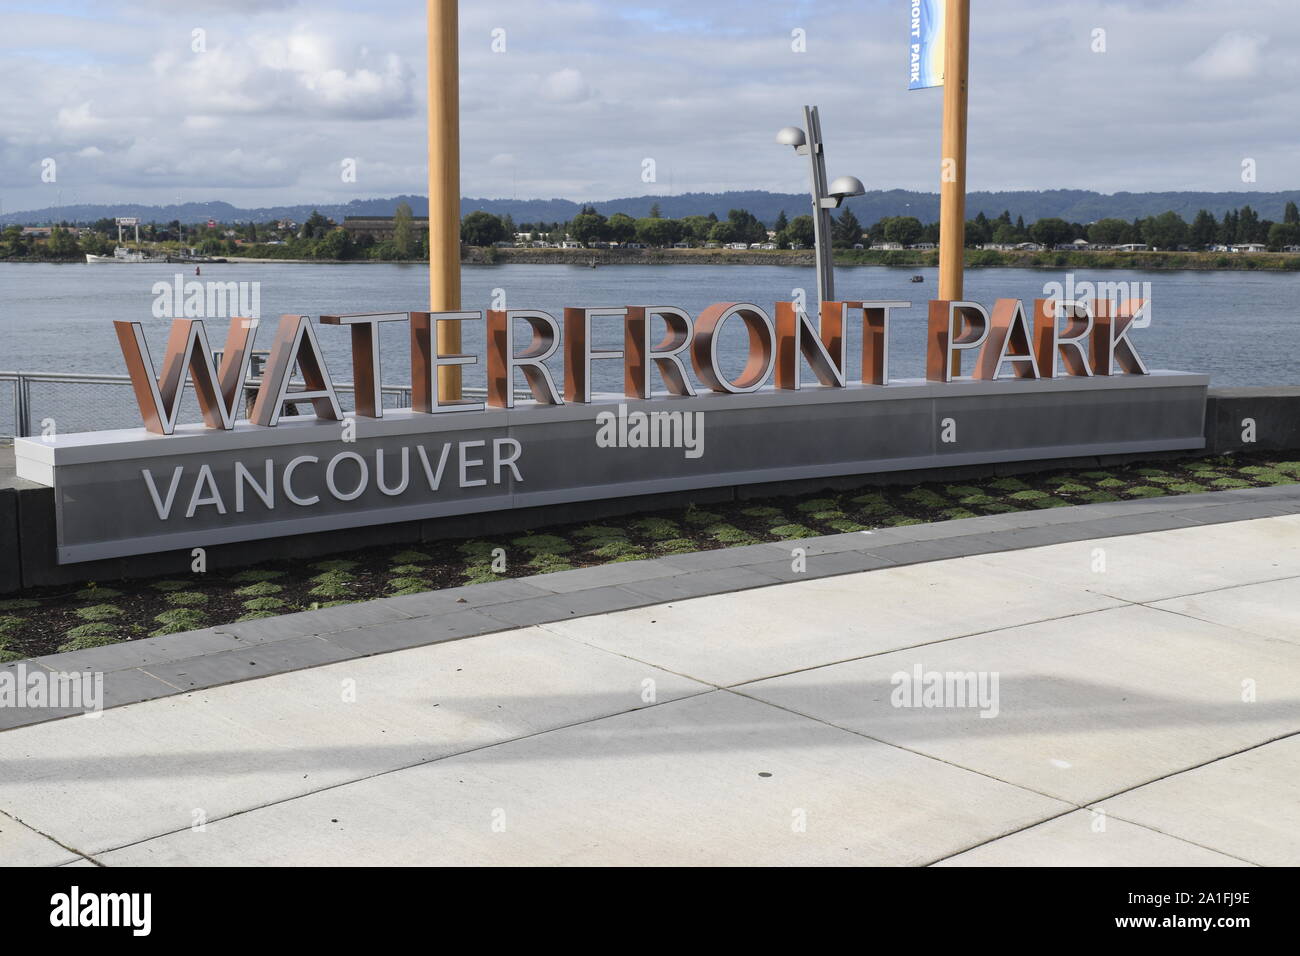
x: 295, y: 344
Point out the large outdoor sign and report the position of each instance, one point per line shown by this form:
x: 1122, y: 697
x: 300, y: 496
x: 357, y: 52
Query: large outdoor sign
x: 1051, y: 380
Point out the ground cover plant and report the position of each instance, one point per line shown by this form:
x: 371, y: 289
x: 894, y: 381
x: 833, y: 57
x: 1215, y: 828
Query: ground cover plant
x: 92, y: 614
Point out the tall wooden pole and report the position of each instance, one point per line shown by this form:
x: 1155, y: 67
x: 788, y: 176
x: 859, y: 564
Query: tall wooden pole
x: 444, y: 183
x: 952, y: 187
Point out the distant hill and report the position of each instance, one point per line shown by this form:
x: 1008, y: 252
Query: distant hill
x: 1073, y: 205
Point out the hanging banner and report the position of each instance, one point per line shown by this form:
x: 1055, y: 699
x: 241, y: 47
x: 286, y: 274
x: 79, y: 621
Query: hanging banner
x: 926, y: 44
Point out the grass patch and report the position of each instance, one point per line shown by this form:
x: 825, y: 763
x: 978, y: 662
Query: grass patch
x: 260, y: 589
x: 784, y: 531
x: 264, y: 604
x: 87, y: 636
x: 99, y: 612
x: 177, y: 620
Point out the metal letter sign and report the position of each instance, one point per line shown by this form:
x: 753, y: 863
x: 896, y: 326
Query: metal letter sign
x: 1047, y: 382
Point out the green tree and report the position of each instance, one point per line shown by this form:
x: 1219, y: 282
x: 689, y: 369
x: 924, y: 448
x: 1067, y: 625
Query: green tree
x: 96, y: 244
x: 904, y: 229
x: 697, y: 227
x: 402, y: 229
x: 621, y: 227
x: 1249, y: 228
x: 1165, y: 231
x: 1228, y: 228
x: 336, y: 244
x: 658, y: 232
x: 1005, y: 234
x: 1108, y: 232
x: 781, y: 223
x: 481, y: 229
x: 1292, y: 214
x: 315, y: 227
x: 11, y: 242
x: 1051, y: 232
x: 589, y: 226
x: 1282, y: 234
x: 724, y: 232
x: 1204, y: 228
x: 748, y: 228
x: 62, y: 244
x: 847, y: 231
x: 654, y: 212
x: 801, y: 231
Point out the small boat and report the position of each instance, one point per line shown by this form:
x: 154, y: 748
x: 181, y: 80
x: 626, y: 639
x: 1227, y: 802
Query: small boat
x: 123, y: 254
x: 918, y: 278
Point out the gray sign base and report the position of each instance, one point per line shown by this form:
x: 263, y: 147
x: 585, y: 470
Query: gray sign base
x: 128, y: 492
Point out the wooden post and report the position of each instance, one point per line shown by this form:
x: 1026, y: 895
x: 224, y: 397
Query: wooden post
x: 444, y: 183
x: 952, y: 187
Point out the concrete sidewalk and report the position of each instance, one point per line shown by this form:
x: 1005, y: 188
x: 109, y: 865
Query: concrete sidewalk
x: 1147, y: 711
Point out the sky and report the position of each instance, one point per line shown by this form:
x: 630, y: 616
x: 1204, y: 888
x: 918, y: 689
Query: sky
x: 270, y: 102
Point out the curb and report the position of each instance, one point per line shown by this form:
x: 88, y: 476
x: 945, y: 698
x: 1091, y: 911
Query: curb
x: 136, y: 671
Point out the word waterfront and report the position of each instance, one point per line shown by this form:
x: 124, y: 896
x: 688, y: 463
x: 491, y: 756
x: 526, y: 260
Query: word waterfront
x: 1065, y: 337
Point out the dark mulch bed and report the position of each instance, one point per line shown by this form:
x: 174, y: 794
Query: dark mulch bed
x: 96, y: 613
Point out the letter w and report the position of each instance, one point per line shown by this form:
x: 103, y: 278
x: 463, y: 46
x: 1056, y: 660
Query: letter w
x: 218, y: 391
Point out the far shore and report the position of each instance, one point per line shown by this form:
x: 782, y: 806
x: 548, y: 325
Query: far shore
x: 904, y: 258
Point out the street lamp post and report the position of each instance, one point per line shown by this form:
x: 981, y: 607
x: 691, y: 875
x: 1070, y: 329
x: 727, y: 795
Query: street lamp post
x: 824, y: 197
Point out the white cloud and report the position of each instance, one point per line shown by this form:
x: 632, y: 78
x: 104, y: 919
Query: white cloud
x: 588, y: 89
x: 565, y: 86
x: 297, y: 72
x: 78, y: 119
x: 1236, y: 56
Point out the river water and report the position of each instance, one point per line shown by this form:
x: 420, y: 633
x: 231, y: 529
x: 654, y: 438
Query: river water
x: 1237, y: 326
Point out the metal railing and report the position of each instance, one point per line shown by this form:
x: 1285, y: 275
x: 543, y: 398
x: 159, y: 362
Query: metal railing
x: 67, y: 402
